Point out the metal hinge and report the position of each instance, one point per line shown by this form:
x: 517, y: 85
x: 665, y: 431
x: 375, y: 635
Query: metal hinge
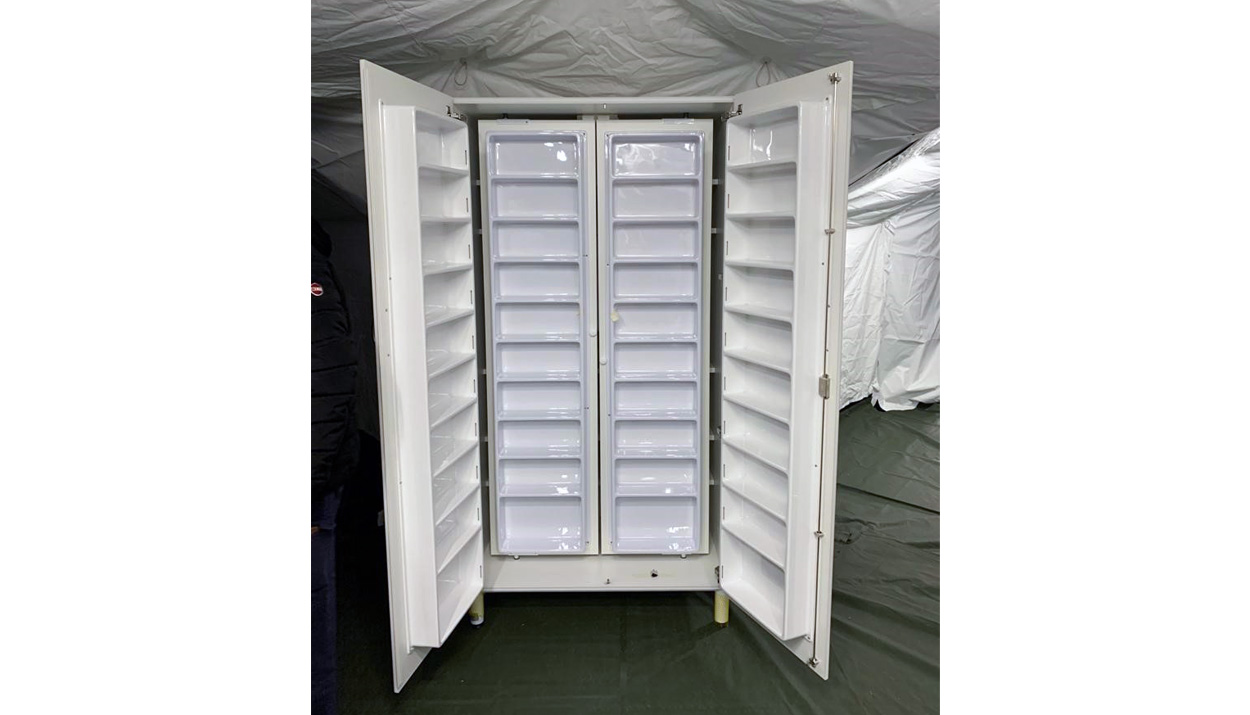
x: 819, y: 534
x: 822, y: 386
x: 717, y: 570
x: 737, y: 111
x: 830, y: 231
x: 834, y: 78
x: 454, y: 115
x: 814, y: 662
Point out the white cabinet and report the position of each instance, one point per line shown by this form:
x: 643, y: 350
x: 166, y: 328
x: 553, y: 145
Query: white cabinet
x: 642, y: 368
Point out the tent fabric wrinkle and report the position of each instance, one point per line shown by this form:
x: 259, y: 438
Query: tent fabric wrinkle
x: 891, y: 317
x: 534, y: 48
x: 571, y: 48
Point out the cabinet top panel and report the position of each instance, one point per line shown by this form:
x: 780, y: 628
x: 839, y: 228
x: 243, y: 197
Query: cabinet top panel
x: 547, y: 106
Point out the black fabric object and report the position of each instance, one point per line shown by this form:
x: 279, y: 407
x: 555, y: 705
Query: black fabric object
x: 321, y: 239
x: 324, y: 609
x: 335, y: 443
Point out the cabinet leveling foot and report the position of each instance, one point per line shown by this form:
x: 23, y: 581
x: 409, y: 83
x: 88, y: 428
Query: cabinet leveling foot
x: 720, y: 609
x: 477, y: 611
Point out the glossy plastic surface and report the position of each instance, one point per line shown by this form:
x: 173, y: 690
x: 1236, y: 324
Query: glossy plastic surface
x: 653, y: 194
x: 538, y: 232
x: 422, y: 262
x: 775, y: 277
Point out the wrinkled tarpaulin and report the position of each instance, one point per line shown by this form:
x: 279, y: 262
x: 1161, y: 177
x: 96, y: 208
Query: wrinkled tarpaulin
x: 891, y: 317
x: 527, y: 48
x: 585, y: 653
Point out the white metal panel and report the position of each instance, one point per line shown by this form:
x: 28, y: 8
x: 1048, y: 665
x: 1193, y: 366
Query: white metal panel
x: 655, y: 195
x: 785, y: 220
x: 548, y: 106
x: 538, y: 222
x: 603, y: 572
x: 421, y: 254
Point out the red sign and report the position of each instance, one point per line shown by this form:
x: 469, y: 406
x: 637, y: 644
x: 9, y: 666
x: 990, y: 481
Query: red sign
x: 317, y: 289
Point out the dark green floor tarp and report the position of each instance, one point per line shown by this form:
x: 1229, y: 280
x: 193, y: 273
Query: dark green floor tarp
x: 661, y: 653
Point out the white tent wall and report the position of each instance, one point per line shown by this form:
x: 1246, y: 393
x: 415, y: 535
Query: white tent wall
x: 863, y: 309
x: 891, y: 335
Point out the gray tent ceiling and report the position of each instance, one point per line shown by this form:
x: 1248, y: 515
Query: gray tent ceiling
x: 526, y: 48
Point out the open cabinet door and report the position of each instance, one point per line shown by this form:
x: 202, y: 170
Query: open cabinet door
x: 420, y: 238
x: 785, y: 218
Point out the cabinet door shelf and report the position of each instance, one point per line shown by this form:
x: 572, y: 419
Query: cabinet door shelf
x: 775, y: 216
x: 463, y: 492
x: 657, y: 299
x: 656, y: 376
x: 458, y: 545
x: 754, y: 539
x: 543, y: 376
x: 649, y: 414
x: 434, y: 268
x: 656, y: 338
x: 537, y: 491
x: 754, y: 310
x: 730, y: 486
x: 548, y: 218
x: 444, y: 410
x: 547, y: 452
x: 460, y: 449
x: 522, y: 338
x: 651, y: 260
x: 438, y: 316
x: 537, y: 415
x: 778, y: 165
x: 530, y: 299
x: 760, y: 263
x: 446, y: 362
x: 661, y: 491
x: 656, y: 179
x: 444, y: 169
x: 748, y: 448
x: 436, y: 218
x: 757, y: 406
x: 657, y: 219
x: 655, y: 453
x: 755, y: 357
